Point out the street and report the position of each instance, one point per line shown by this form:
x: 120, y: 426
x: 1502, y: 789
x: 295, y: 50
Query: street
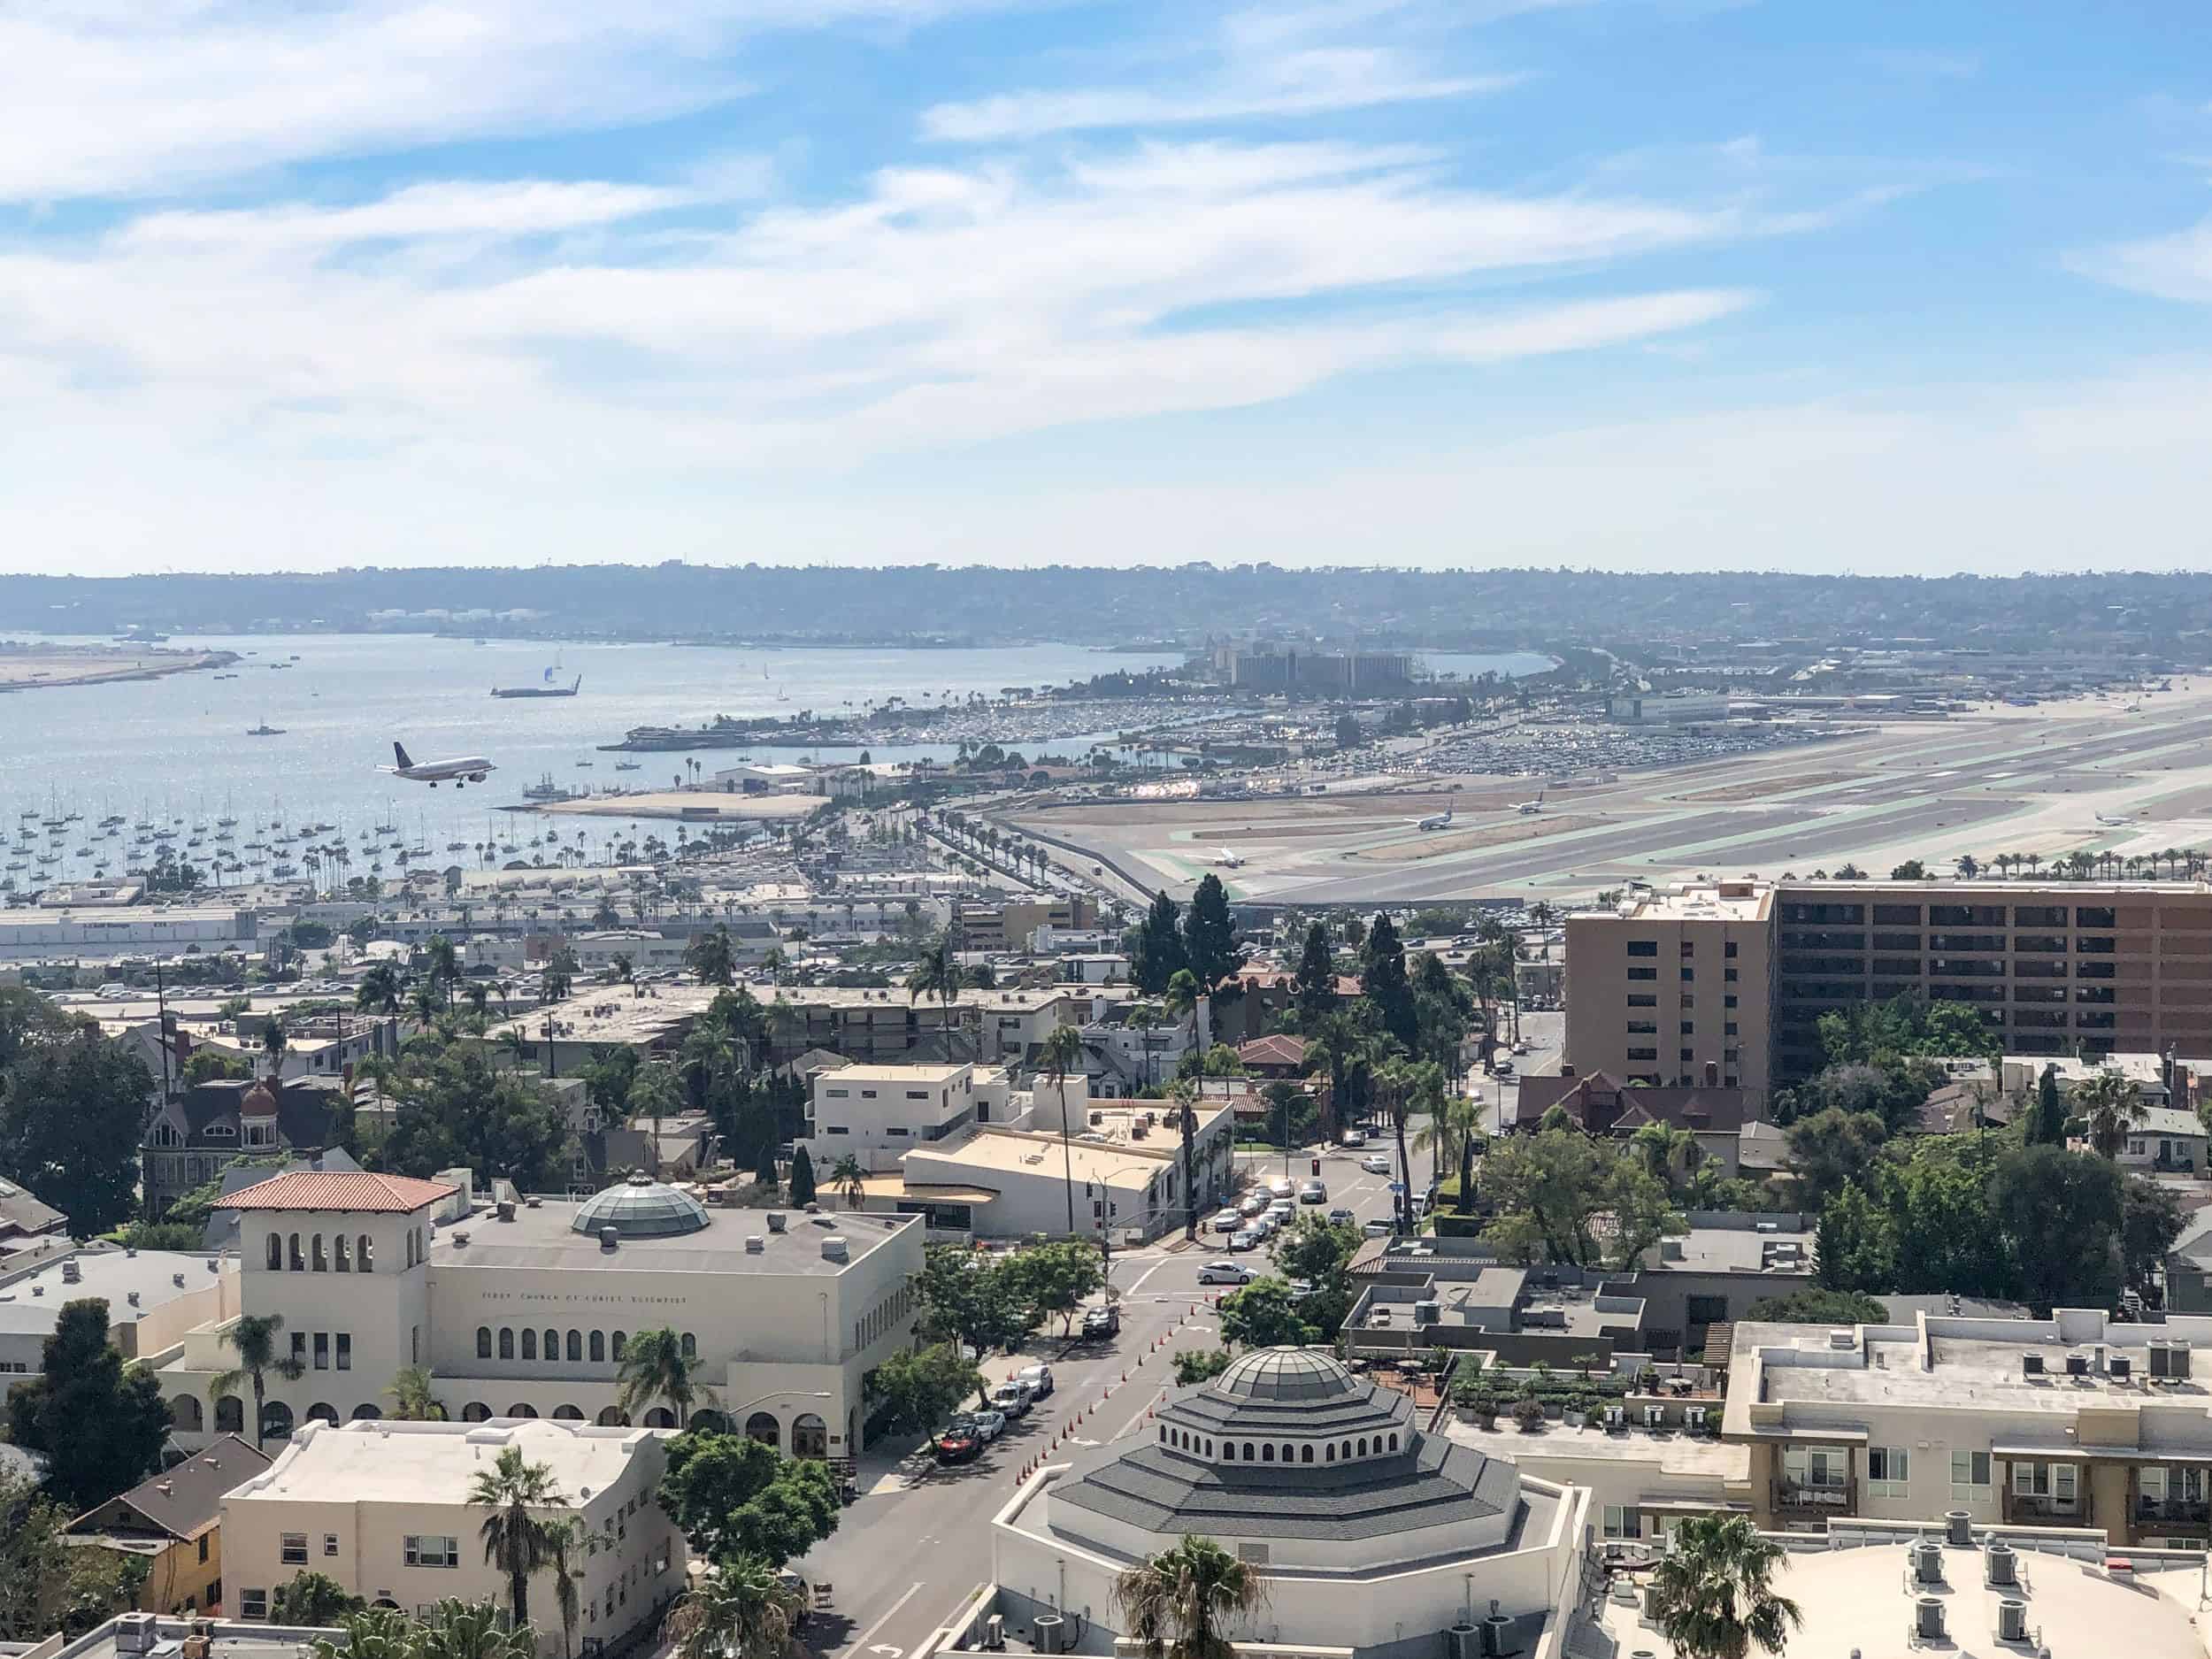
x: 918, y: 1544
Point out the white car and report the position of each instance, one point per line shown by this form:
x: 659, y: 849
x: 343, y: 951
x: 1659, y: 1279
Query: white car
x: 1282, y: 1187
x: 1375, y: 1164
x: 1353, y: 1137
x: 1224, y: 1273
x: 1227, y: 1221
x: 1380, y: 1227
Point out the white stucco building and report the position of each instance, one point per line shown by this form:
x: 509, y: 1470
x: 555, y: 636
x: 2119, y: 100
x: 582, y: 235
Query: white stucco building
x: 383, y: 1508
x: 525, y: 1310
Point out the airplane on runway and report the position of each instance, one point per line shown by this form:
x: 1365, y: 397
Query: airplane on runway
x: 1434, y: 821
x: 1529, y: 809
x: 1231, y: 858
x: 2115, y: 820
x: 460, y: 774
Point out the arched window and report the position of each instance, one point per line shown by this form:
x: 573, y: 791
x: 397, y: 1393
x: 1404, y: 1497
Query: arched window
x: 1393, y: 1442
x: 1363, y: 1449
x: 620, y: 1343
x: 1248, y: 1457
x: 1305, y: 1453
x: 529, y: 1343
x: 366, y: 1414
x: 320, y: 1262
x: 552, y: 1345
x: 483, y: 1341
x: 1328, y: 1452
x: 690, y: 1346
x: 506, y: 1343
x: 1267, y: 1452
x: 762, y: 1426
x: 276, y: 1253
x: 184, y: 1410
x: 364, y: 1254
x: 567, y: 1414
x: 614, y: 1418
x: 342, y: 1254
x: 710, y: 1422
x: 810, y: 1437
x: 476, y: 1411
x: 293, y: 1254
x: 1164, y: 1433
x: 1209, y: 1449
x: 410, y: 1247
x: 660, y: 1418
x: 1290, y: 1454
x: 522, y: 1411
x: 575, y: 1345
x: 598, y: 1347
x: 276, y: 1420
x: 322, y: 1411
x: 230, y: 1415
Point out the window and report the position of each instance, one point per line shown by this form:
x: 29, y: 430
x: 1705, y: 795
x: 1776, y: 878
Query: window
x: 1643, y: 1027
x: 506, y: 1343
x: 276, y: 1253
x: 1728, y: 976
x: 365, y: 1255
x: 430, y: 1550
x: 483, y: 1341
x: 321, y: 1261
x: 292, y: 1254
x: 1728, y: 1001
x: 529, y: 1343
x: 1729, y: 950
x: 621, y: 1341
x: 1643, y: 1000
x: 203, y: 1548
x: 330, y: 1543
x: 1689, y: 949
x: 575, y: 1346
x: 345, y: 1351
x: 253, y: 1604
x: 552, y: 1345
x: 1623, y: 1521
x: 1689, y: 1028
x: 1689, y: 974
x: 299, y: 1348
x: 342, y: 1259
x: 1643, y: 946
x: 292, y: 1549
x: 836, y: 1129
x: 1643, y: 1054
x: 1814, y: 1466
x: 1643, y: 973
x: 598, y: 1347
x: 1886, y: 1469
x: 322, y: 1350
x: 690, y: 1346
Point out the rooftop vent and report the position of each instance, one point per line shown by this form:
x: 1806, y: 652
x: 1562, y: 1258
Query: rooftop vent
x: 131, y: 1297
x: 71, y: 1274
x: 461, y: 1240
x: 835, y: 1249
x: 608, y: 1236
x: 177, y: 1280
x: 506, y: 1210
x: 1842, y: 1342
x: 775, y: 1221
x: 2031, y: 1365
x: 755, y: 1244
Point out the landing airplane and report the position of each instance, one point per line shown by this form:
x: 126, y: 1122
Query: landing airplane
x: 2115, y: 820
x: 1231, y: 858
x: 460, y: 774
x: 1434, y: 821
x: 1529, y: 809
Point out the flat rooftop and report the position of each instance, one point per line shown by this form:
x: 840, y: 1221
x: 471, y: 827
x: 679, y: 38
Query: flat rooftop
x: 540, y: 1238
x: 416, y: 1463
x: 1673, y: 1453
x: 32, y: 1296
x: 991, y: 1150
x: 1695, y: 902
x: 231, y: 1640
x: 896, y: 1073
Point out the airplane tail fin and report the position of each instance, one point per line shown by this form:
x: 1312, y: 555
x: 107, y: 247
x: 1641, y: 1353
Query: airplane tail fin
x: 579, y: 686
x: 399, y: 754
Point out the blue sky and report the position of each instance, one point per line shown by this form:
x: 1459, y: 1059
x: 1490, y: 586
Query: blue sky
x: 1634, y: 283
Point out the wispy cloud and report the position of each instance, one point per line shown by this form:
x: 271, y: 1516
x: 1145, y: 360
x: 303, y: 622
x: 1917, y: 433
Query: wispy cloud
x: 1924, y: 62
x: 2178, y: 267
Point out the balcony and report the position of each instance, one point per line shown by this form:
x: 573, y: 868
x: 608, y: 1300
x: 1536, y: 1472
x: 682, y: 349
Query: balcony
x: 1798, y: 1501
x: 2040, y: 1509
x: 2171, y: 1514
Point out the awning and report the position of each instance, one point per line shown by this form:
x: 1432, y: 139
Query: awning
x: 2074, y: 1452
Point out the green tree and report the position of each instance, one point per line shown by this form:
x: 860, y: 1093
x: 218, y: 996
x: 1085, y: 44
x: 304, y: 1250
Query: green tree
x: 2108, y: 1106
x: 70, y: 1103
x: 99, y: 1423
x: 1816, y: 1306
x: 1210, y: 935
x: 311, y: 1601
x: 253, y: 1338
x: 206, y: 1065
x: 712, y: 955
x: 1857, y: 1243
x: 2151, y: 1218
x: 741, y: 1610
x: 442, y: 964
x: 938, y: 974
x: 848, y: 1180
x: 1057, y: 1280
x: 414, y: 1396
x: 653, y: 1096
x: 1156, y: 949
x: 1831, y: 1149
x: 48, y: 1585
x: 518, y: 1542
x: 1262, y: 1314
x: 972, y: 1300
x: 1383, y: 981
x: 559, y: 977
x: 1544, y: 1190
x: 1713, y: 1595
x: 1313, y: 988
x: 1183, y: 1602
x: 916, y: 1388
x: 1200, y: 1365
x: 2061, y: 1210
x: 655, y: 1368
x: 455, y: 1107
x: 801, y: 1182
x: 2046, y: 1123
x: 735, y: 1496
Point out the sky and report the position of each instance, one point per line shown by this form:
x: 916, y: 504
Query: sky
x: 1634, y: 284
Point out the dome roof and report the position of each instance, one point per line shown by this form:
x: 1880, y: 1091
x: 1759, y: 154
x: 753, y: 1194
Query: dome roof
x: 640, y: 1208
x: 1288, y: 1374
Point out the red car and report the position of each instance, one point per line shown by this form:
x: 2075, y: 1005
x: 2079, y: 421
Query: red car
x: 959, y: 1446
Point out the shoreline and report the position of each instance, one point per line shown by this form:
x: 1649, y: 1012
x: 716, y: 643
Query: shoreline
x: 186, y: 663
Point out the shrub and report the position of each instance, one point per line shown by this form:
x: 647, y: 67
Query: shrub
x: 1528, y: 1417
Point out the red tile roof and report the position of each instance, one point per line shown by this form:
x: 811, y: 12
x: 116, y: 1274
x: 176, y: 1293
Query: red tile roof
x: 1273, y: 1050
x: 332, y: 1189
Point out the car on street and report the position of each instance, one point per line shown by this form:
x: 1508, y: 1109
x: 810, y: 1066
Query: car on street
x: 1353, y: 1137
x: 1282, y: 1187
x: 1313, y: 1192
x: 1247, y: 1238
x: 1225, y: 1273
x: 1099, y: 1323
x: 1375, y: 1164
x: 1380, y: 1227
x: 987, y: 1424
x: 1227, y: 1221
x: 1520, y: 1047
x: 1038, y: 1379
x: 1012, y: 1398
x: 1503, y: 1068
x: 959, y: 1445
x: 1253, y: 1204
x: 1342, y: 1218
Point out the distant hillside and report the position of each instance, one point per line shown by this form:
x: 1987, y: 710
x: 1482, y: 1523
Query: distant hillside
x: 1484, y: 609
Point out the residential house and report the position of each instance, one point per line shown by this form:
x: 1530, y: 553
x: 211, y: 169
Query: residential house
x: 174, y: 1523
x: 196, y: 1134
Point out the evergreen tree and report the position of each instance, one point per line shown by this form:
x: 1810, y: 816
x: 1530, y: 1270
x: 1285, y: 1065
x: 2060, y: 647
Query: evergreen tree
x: 2046, y: 1120
x: 100, y: 1425
x: 1157, y: 946
x: 1210, y: 936
x: 801, y: 1177
x: 1313, y: 988
x: 1384, y: 982
x: 69, y: 1127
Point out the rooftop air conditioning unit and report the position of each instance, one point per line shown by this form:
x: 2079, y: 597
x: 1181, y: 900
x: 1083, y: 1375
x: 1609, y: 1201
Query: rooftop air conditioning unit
x: 1655, y: 1417
x: 2176, y: 1359
x: 2031, y: 1365
x: 1050, y: 1631
x: 2121, y: 1369
x: 2000, y: 1565
x: 1616, y: 1417
x: 2078, y: 1364
x: 1928, y: 1617
x: 2160, y: 1360
x: 71, y: 1274
x: 134, y: 1633
x: 1927, y: 1560
x: 2012, y: 1620
x: 994, y: 1633
x: 1694, y: 1419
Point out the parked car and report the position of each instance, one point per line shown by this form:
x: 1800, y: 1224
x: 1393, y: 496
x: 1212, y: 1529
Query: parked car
x: 989, y: 1424
x: 1012, y: 1398
x: 1313, y: 1192
x: 1375, y: 1164
x: 1380, y: 1227
x: 1253, y: 1204
x: 1353, y: 1137
x: 1247, y: 1238
x: 1342, y: 1218
x: 1227, y: 1221
x: 1099, y: 1322
x: 1502, y: 1068
x: 1038, y: 1379
x: 959, y: 1445
x: 1225, y: 1273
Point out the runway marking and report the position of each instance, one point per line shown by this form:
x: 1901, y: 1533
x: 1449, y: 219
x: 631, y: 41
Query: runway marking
x: 889, y: 1614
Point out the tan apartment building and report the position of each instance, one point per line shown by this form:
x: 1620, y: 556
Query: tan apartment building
x: 1675, y: 988
x: 1007, y: 926
x: 2057, y: 968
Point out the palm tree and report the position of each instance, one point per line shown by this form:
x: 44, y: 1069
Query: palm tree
x: 655, y: 1367
x: 1182, y: 1104
x: 739, y: 1610
x: 445, y: 964
x: 711, y: 956
x: 254, y: 1337
x: 1712, y: 1598
x: 461, y: 1630
x: 516, y: 1542
x: 414, y: 1399
x: 2111, y: 1107
x: 480, y: 996
x: 847, y: 1179
x: 1968, y: 865
x: 939, y: 975
x: 274, y: 1041
x: 1180, y: 1604
x: 1061, y: 1053
x: 570, y: 1541
x: 1451, y: 1132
